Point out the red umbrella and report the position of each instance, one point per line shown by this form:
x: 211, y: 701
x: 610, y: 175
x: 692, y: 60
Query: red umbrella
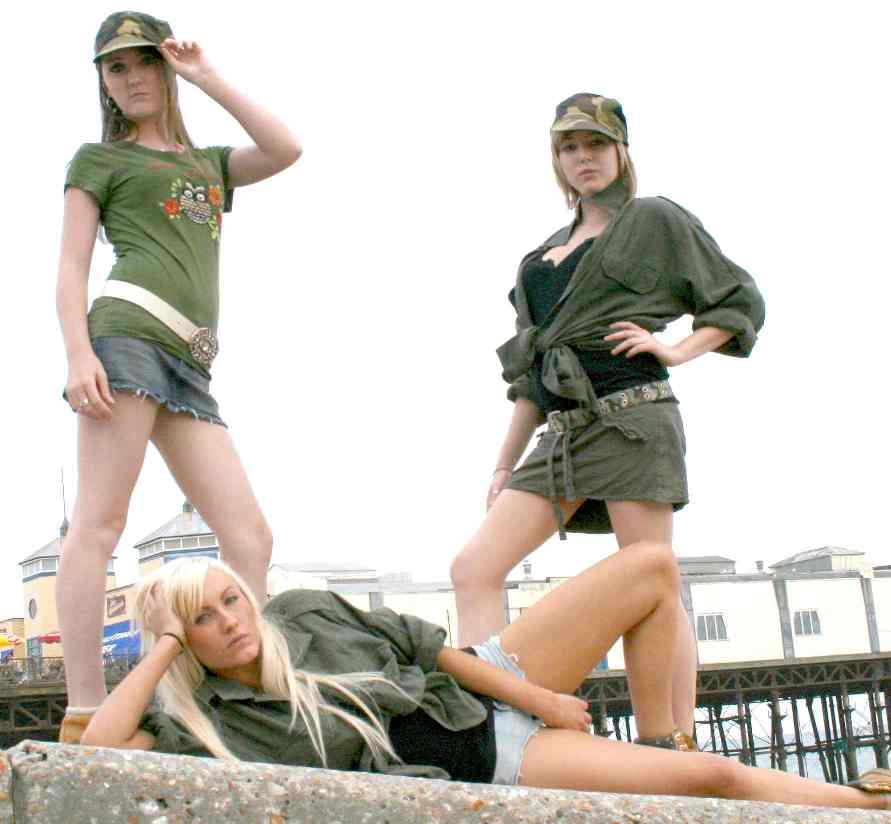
x: 50, y: 638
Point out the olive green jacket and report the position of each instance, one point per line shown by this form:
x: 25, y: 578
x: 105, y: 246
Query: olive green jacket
x: 325, y: 634
x: 652, y: 264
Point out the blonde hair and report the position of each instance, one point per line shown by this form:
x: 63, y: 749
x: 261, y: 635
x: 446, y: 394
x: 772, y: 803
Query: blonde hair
x: 626, y: 170
x: 181, y: 585
x: 117, y: 126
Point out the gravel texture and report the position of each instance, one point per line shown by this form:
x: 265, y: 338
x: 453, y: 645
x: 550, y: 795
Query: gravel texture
x: 51, y: 783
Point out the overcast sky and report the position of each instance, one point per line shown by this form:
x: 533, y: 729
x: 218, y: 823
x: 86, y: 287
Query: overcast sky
x: 364, y: 289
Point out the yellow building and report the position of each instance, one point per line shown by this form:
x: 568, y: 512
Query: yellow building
x: 39, y: 571
x: 12, y: 628
x: 184, y: 535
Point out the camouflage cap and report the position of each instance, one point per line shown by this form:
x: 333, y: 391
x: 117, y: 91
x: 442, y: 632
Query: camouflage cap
x: 592, y: 112
x: 129, y: 29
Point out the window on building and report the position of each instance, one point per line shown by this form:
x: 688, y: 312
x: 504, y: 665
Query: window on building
x: 115, y: 605
x: 807, y: 622
x: 150, y: 549
x: 711, y: 627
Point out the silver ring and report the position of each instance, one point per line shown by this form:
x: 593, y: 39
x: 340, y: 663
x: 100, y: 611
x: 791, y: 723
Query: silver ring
x: 84, y: 401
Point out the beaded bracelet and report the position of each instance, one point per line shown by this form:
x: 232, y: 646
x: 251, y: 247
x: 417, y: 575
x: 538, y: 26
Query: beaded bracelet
x: 179, y: 640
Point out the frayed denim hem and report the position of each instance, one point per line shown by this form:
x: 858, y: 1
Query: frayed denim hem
x: 142, y: 392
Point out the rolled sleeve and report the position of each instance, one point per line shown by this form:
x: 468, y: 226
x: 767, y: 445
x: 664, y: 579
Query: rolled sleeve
x: 171, y: 737
x: 718, y: 292
x: 523, y: 387
x: 414, y: 640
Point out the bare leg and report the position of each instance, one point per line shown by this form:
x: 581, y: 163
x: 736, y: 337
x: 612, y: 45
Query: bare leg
x: 517, y: 524
x: 636, y: 521
x: 109, y: 458
x: 203, y: 460
x: 568, y: 759
x: 559, y: 640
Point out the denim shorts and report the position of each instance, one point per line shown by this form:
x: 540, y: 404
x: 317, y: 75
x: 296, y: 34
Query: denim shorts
x: 513, y: 727
x: 146, y: 370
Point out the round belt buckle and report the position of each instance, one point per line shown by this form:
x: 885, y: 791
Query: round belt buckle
x: 204, y: 346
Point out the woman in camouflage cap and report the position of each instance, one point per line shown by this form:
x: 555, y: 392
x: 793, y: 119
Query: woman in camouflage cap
x: 585, y: 360
x: 139, y: 361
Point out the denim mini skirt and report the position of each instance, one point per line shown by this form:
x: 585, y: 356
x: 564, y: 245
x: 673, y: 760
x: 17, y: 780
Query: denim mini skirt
x: 513, y: 727
x: 144, y: 369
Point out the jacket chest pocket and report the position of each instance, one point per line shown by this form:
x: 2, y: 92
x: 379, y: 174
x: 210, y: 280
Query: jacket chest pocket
x: 639, y: 276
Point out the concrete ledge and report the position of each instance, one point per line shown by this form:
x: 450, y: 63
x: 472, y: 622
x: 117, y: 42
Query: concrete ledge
x: 53, y: 783
x: 5, y: 789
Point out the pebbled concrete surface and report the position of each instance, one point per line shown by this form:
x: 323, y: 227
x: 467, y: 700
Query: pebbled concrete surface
x: 53, y: 783
x: 5, y: 789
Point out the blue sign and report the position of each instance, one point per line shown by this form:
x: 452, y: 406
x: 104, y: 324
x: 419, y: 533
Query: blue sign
x: 120, y: 639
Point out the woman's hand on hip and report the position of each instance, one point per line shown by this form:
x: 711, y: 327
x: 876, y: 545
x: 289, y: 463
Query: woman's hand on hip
x: 158, y: 617
x: 499, y: 479
x: 634, y: 339
x: 187, y: 59
x: 566, y: 712
x: 87, y: 389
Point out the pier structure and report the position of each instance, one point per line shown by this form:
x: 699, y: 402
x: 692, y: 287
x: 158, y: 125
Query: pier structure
x: 33, y: 699
x: 33, y: 696
x: 824, y: 727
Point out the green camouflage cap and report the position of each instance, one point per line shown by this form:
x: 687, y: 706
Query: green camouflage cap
x: 129, y: 29
x: 592, y: 112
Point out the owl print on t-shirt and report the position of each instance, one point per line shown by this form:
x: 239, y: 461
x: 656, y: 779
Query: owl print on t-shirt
x: 200, y: 203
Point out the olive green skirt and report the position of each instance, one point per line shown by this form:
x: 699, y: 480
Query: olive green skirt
x: 634, y: 454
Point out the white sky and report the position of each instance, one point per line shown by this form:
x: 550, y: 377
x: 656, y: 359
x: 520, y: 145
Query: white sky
x: 364, y: 290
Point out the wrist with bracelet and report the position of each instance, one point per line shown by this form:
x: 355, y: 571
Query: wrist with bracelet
x: 502, y: 469
x: 182, y: 646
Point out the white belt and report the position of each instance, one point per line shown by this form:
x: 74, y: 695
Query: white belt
x: 203, y: 343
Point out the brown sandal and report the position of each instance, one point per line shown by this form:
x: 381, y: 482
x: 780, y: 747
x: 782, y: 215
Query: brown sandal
x: 876, y: 780
x: 675, y: 740
x: 74, y: 724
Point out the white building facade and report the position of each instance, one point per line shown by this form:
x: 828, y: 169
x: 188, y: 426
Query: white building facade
x: 834, y: 604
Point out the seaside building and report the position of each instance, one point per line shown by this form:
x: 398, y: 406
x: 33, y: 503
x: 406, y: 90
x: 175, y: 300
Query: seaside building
x: 41, y: 622
x: 823, y: 602
x: 12, y: 634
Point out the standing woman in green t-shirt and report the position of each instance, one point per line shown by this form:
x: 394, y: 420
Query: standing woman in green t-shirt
x: 138, y: 363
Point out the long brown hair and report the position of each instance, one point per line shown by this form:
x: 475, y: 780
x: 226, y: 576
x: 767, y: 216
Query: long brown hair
x: 116, y: 125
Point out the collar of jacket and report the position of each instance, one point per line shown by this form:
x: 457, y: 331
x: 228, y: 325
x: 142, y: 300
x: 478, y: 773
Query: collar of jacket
x: 612, y: 199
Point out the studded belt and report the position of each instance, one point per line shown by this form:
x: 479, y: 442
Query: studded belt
x: 203, y: 342
x: 563, y: 422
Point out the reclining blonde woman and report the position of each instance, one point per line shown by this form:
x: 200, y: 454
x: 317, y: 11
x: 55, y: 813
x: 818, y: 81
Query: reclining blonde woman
x: 312, y: 681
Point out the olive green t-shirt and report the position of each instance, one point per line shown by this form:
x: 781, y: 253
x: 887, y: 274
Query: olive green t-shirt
x: 162, y: 212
